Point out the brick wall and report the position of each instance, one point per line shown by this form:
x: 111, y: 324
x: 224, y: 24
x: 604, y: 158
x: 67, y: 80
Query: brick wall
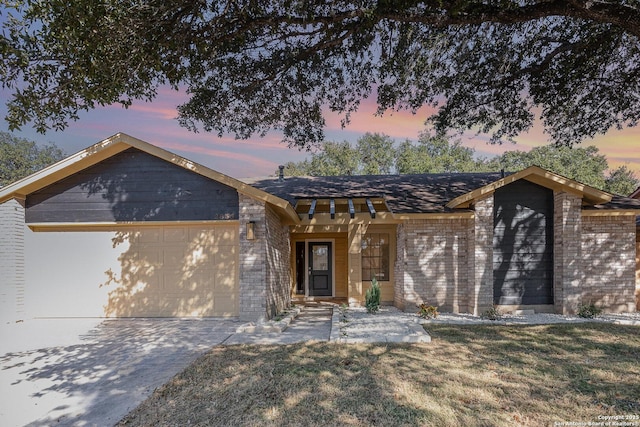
x: 567, y: 226
x: 399, y: 268
x: 449, y: 262
x: 278, y: 252
x: 480, y: 286
x: 433, y: 262
x: 253, y: 261
x: 608, y: 262
x: 12, y: 280
x: 265, y: 275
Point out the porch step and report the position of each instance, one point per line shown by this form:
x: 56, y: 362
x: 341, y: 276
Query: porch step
x: 314, y: 301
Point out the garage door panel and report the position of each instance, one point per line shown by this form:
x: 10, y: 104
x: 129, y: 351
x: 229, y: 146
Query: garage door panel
x: 185, y: 283
x: 226, y: 305
x: 224, y: 284
x: 145, y: 272
x: 203, y: 237
x: 177, y: 234
x: 174, y: 257
x: 133, y: 284
x: 223, y: 258
x: 227, y: 237
x: 148, y: 235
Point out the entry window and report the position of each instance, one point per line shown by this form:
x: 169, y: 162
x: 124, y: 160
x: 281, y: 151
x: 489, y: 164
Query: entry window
x: 320, y: 257
x: 375, y: 256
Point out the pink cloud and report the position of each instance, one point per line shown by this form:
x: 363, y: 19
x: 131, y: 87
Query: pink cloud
x: 258, y: 162
x: 155, y: 122
x: 396, y: 124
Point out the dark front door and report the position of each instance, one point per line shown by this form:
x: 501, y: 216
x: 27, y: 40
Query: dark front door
x: 320, y: 269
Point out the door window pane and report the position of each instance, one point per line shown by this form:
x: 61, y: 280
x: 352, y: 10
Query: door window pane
x: 320, y: 257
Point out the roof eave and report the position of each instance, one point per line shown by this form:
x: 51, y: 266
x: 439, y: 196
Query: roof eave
x: 537, y: 175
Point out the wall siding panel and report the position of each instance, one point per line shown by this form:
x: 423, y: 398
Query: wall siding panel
x: 523, y: 245
x: 133, y: 186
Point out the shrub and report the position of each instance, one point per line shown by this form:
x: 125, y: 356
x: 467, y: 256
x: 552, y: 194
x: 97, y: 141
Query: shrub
x: 492, y: 314
x: 427, y: 311
x: 372, y: 297
x: 589, y: 311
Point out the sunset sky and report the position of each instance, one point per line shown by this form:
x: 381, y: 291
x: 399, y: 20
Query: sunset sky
x: 155, y: 123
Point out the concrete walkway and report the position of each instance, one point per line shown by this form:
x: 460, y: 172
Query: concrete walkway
x: 355, y: 325
x: 312, y: 324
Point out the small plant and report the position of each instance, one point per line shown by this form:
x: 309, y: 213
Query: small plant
x: 492, y: 314
x: 372, y: 297
x: 589, y: 311
x: 427, y: 311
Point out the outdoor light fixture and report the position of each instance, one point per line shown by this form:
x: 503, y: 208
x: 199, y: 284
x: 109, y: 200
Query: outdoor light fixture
x: 251, y: 230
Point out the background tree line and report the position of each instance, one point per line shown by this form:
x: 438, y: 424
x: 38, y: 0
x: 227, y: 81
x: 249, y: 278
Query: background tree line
x: 378, y: 154
x: 20, y: 157
x: 375, y: 154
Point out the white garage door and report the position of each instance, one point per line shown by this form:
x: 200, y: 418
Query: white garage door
x: 168, y: 271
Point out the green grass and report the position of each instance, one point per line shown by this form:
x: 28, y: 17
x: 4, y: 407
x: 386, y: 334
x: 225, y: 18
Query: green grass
x: 469, y: 375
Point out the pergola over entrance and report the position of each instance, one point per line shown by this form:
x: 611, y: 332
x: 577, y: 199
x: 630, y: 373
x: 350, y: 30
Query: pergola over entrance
x: 341, y: 207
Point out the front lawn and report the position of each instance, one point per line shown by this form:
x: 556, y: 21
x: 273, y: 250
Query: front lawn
x: 467, y: 376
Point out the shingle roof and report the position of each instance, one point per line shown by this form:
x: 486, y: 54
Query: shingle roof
x: 420, y: 193
x: 618, y: 202
x: 426, y: 193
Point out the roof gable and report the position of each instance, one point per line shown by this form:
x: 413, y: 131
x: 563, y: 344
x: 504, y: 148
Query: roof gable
x: 117, y: 144
x: 537, y: 175
x: 132, y: 186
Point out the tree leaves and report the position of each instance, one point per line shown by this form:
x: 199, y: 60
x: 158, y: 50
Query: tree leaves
x: 252, y: 66
x: 20, y: 157
x: 376, y: 154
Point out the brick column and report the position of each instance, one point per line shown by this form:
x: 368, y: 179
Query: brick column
x: 399, y: 268
x: 481, y: 260
x: 567, y: 256
x: 12, y: 281
x: 253, y: 261
x: 278, y: 250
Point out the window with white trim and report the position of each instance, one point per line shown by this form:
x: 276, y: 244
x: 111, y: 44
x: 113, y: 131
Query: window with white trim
x: 375, y: 256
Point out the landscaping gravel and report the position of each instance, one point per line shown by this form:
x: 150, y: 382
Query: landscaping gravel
x: 388, y: 313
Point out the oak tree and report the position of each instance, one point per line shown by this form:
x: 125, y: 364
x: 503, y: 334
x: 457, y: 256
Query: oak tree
x: 20, y: 157
x: 438, y: 154
x: 250, y: 66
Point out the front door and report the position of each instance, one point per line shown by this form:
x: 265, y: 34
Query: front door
x: 320, y: 269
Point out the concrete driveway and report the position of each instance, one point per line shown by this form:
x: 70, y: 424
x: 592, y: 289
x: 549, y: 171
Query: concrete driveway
x: 84, y: 373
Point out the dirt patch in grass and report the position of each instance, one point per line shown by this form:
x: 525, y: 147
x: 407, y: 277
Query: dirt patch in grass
x: 468, y: 375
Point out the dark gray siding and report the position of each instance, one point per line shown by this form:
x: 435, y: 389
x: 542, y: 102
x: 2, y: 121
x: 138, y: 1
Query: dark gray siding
x: 133, y: 186
x: 523, y: 244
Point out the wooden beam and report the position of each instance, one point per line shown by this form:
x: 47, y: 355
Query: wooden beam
x: 312, y: 209
x: 352, y: 210
x: 372, y: 210
x: 332, y: 208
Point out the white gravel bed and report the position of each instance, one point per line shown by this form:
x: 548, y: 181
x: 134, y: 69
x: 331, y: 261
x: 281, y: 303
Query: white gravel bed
x: 360, y: 315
